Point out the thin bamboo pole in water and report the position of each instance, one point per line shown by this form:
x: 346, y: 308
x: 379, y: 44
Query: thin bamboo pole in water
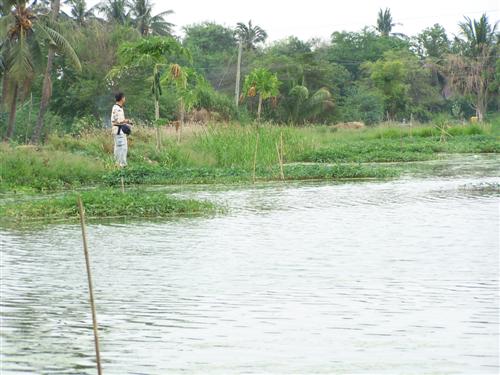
x: 280, y: 161
x: 89, y: 278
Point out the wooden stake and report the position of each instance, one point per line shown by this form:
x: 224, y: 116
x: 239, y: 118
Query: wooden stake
x: 280, y: 162
x: 89, y: 278
x: 123, y: 185
x: 255, y: 156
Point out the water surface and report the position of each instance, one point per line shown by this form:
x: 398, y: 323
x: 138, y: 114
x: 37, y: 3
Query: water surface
x: 395, y: 276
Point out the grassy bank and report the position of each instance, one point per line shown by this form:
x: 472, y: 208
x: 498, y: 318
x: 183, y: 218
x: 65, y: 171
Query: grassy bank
x: 166, y: 176
x: 401, y: 149
x: 225, y: 153
x: 104, y: 203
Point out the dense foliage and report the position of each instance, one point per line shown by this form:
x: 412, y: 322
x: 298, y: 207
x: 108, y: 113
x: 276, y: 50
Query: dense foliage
x: 372, y: 75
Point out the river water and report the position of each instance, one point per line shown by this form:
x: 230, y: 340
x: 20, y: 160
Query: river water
x: 389, y: 277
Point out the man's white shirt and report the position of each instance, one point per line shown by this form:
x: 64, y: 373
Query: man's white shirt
x: 117, y: 116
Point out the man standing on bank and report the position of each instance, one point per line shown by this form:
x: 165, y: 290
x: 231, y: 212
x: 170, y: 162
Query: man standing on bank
x: 120, y: 129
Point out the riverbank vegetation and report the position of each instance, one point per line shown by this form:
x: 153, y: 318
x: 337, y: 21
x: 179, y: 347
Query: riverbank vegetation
x: 60, y: 64
x: 104, y: 203
x: 231, y: 153
x: 244, y: 110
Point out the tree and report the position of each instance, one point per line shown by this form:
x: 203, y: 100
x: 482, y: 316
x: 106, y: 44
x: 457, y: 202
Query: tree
x: 146, y: 23
x: 23, y: 34
x: 300, y: 69
x: 248, y: 36
x: 363, y: 104
x: 185, y: 82
x: 433, y: 42
x: 351, y: 49
x: 263, y: 83
x: 475, y: 36
x: 47, y: 81
x: 116, y: 11
x: 388, y: 76
x: 303, y: 107
x: 85, y: 93
x: 405, y: 85
x: 79, y: 11
x: 384, y: 22
x: 471, y: 71
x: 212, y: 47
x: 154, y: 53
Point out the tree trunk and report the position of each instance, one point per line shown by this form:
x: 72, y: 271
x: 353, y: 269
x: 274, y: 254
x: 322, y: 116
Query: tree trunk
x: 5, y: 90
x: 12, y: 114
x: 259, y: 108
x: 238, y: 75
x: 481, y: 105
x: 47, y: 82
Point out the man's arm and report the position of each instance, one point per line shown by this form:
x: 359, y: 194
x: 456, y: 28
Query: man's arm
x: 125, y: 121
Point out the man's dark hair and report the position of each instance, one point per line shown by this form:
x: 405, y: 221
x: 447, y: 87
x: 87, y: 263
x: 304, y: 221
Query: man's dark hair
x: 119, y: 96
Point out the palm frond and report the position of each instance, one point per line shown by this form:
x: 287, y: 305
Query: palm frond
x: 318, y: 103
x: 20, y: 66
x: 6, y: 23
x: 60, y: 44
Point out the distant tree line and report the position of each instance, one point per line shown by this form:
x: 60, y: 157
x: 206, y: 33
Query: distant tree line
x: 60, y: 63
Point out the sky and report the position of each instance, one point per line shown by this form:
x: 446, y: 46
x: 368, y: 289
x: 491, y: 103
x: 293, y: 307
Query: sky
x: 319, y: 18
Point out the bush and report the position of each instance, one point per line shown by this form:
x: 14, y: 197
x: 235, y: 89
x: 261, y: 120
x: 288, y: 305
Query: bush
x: 363, y: 105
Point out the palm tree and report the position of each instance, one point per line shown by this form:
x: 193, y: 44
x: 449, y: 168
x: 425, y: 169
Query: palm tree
x: 471, y: 71
x: 148, y: 24
x: 248, y: 36
x: 23, y: 34
x: 262, y: 82
x: 384, y: 22
x: 304, y: 106
x: 79, y: 11
x: 185, y: 82
x: 476, y: 35
x: 115, y: 11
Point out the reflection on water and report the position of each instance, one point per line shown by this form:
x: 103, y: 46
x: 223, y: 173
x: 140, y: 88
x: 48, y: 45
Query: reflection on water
x: 386, y: 277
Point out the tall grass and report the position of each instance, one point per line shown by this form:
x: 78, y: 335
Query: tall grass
x: 232, y: 146
x: 225, y: 152
x: 44, y: 169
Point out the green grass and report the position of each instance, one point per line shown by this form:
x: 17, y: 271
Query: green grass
x: 46, y: 170
x: 401, y: 150
x: 225, y: 153
x: 104, y: 203
x: 209, y: 175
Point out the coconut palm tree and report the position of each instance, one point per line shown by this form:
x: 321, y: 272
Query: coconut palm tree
x: 248, y: 36
x: 23, y: 34
x: 476, y: 35
x: 146, y: 23
x: 384, y: 22
x: 303, y: 106
x: 79, y: 11
x: 116, y: 11
x: 471, y: 71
